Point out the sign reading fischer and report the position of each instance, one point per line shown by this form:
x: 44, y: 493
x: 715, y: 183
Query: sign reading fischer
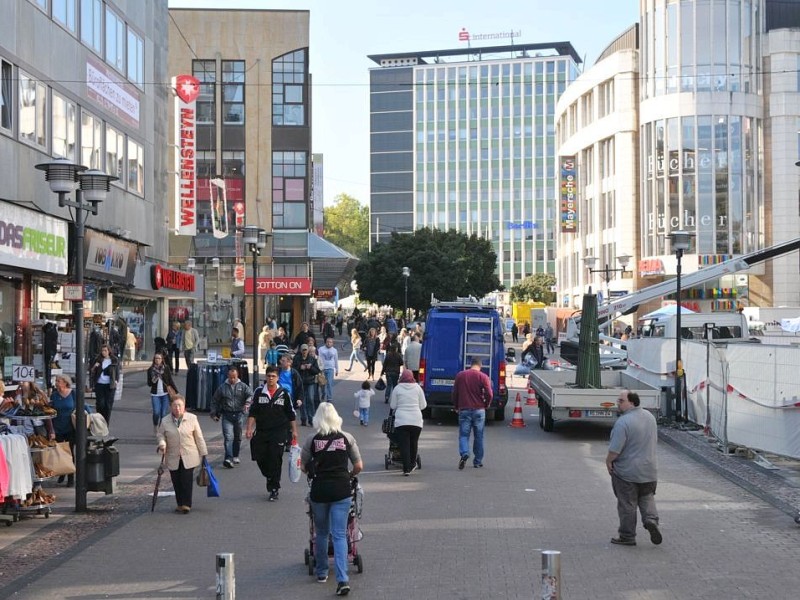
x: 171, y: 279
x: 295, y: 286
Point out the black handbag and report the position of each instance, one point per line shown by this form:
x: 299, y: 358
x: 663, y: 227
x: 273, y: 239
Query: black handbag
x: 380, y: 385
x: 387, y: 426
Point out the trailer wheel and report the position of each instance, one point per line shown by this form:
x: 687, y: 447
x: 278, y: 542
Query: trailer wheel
x: 541, y: 416
x: 500, y: 414
x: 547, y: 423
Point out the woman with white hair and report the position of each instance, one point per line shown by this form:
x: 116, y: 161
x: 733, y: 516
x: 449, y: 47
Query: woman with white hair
x: 325, y: 457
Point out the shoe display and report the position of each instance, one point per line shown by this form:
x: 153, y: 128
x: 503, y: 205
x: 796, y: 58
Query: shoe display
x: 343, y: 588
x: 236, y: 460
x: 623, y: 541
x: 655, y: 534
x: 462, y: 461
x: 227, y: 464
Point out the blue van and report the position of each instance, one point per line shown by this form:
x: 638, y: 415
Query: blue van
x: 455, y: 333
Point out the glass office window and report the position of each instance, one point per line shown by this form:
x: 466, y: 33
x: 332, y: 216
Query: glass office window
x: 233, y: 81
x: 92, y: 24
x: 91, y: 141
x: 206, y: 73
x: 135, y: 58
x: 65, y: 121
x: 64, y: 13
x: 6, y: 95
x: 115, y: 152
x: 115, y: 40
x: 135, y: 167
x: 32, y: 111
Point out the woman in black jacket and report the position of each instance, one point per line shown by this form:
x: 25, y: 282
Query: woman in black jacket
x: 103, y: 380
x: 391, y: 368
x: 159, y: 377
x: 372, y: 346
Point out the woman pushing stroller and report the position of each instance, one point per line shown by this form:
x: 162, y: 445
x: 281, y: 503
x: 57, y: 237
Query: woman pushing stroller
x: 325, y: 457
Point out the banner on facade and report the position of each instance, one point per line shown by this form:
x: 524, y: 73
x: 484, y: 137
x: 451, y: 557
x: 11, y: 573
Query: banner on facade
x: 32, y: 240
x: 186, y: 89
x: 569, y: 195
x: 219, y: 207
x: 109, y: 258
x: 294, y: 286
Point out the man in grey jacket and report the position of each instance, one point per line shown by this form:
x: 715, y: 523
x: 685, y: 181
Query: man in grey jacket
x: 412, y: 355
x: 228, y: 404
x: 631, y: 461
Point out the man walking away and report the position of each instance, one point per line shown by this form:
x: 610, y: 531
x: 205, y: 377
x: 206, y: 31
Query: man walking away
x: 174, y: 340
x: 548, y: 339
x: 412, y: 355
x: 472, y: 395
x: 632, y: 464
x: 271, y: 413
x: 228, y: 404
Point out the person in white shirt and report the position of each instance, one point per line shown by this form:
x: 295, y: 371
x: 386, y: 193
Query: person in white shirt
x: 363, y: 400
x: 330, y: 366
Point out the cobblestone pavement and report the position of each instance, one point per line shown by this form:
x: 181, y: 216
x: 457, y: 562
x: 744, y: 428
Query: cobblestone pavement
x: 441, y: 533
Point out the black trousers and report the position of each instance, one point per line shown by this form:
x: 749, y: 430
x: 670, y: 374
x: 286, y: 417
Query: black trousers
x: 268, y: 455
x: 407, y: 438
x: 174, y: 352
x: 104, y: 400
x: 183, y: 484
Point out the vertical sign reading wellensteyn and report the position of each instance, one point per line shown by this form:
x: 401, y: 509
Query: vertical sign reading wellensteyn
x: 186, y: 89
x: 569, y: 195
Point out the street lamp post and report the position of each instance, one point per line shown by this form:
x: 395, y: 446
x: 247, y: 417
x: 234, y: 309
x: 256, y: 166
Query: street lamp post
x: 680, y: 243
x: 591, y: 261
x: 256, y: 240
x: 406, y: 275
x: 92, y: 186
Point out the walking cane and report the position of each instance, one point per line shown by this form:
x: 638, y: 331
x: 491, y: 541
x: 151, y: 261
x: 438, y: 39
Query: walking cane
x: 158, y: 481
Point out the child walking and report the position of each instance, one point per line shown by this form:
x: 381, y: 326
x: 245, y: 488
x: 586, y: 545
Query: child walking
x: 363, y: 399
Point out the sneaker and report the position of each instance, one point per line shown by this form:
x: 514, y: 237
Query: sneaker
x: 273, y: 496
x: 623, y: 541
x: 227, y: 464
x: 478, y: 465
x: 406, y: 473
x: 463, y: 461
x: 655, y: 534
x: 236, y: 460
x: 322, y: 578
x: 343, y: 588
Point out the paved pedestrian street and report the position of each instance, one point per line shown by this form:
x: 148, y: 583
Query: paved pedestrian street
x: 439, y: 534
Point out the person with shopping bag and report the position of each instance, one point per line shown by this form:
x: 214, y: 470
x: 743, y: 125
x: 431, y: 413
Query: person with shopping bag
x: 181, y: 441
x: 63, y: 401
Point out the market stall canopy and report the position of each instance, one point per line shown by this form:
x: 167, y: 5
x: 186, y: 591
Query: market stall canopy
x: 791, y: 325
x: 665, y: 311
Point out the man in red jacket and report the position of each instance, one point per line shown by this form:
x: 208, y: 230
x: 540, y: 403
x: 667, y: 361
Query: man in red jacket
x: 472, y: 394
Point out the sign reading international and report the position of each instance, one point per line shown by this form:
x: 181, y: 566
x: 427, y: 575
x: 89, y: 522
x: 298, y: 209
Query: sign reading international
x: 186, y: 89
x: 569, y: 195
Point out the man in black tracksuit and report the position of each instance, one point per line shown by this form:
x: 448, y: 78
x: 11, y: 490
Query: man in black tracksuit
x: 270, y: 414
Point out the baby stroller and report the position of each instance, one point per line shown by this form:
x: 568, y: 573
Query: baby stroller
x: 353, y: 533
x: 394, y: 457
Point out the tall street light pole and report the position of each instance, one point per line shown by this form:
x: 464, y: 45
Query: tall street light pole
x: 256, y: 240
x: 92, y: 186
x: 680, y: 243
x: 406, y: 275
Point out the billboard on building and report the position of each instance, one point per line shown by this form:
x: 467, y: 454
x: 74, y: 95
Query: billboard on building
x: 186, y: 89
x: 569, y: 195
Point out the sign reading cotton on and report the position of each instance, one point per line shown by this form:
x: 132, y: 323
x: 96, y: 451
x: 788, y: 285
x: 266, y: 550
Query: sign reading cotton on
x: 186, y: 89
x: 569, y: 195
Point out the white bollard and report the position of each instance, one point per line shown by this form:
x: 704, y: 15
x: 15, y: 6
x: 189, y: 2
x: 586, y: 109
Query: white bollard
x: 226, y: 577
x: 551, y: 575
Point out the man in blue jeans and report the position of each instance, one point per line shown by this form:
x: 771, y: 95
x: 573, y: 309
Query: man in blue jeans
x: 472, y: 395
x: 228, y: 404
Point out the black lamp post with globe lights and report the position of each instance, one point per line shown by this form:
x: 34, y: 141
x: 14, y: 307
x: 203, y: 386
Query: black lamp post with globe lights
x: 680, y: 243
x: 256, y: 240
x: 91, y: 187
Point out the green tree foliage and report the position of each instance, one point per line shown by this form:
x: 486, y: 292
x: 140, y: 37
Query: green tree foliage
x: 536, y: 287
x: 445, y: 264
x: 346, y: 224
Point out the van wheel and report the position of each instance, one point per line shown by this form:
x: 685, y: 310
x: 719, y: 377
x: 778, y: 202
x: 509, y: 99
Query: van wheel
x: 499, y: 414
x: 547, y: 418
x: 541, y: 415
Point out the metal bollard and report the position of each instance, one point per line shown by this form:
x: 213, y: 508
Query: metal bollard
x: 226, y: 577
x: 551, y: 575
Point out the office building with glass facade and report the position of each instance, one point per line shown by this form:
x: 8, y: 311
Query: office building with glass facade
x: 465, y: 139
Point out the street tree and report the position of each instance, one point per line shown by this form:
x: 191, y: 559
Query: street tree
x: 446, y: 264
x: 346, y: 224
x: 535, y: 287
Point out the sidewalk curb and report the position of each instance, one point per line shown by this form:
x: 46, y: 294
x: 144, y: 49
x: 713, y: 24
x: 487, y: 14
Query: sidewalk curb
x: 686, y: 443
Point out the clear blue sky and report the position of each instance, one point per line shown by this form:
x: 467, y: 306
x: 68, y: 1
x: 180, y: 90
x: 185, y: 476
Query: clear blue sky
x: 344, y: 32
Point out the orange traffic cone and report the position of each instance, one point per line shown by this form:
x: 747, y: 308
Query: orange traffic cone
x: 531, y: 401
x: 517, y: 421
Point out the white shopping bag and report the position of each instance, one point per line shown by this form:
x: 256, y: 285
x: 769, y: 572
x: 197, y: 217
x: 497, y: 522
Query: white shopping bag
x: 294, y: 463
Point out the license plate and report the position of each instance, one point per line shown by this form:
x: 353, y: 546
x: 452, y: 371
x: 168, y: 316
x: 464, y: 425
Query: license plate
x: 442, y: 381
x: 599, y: 413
